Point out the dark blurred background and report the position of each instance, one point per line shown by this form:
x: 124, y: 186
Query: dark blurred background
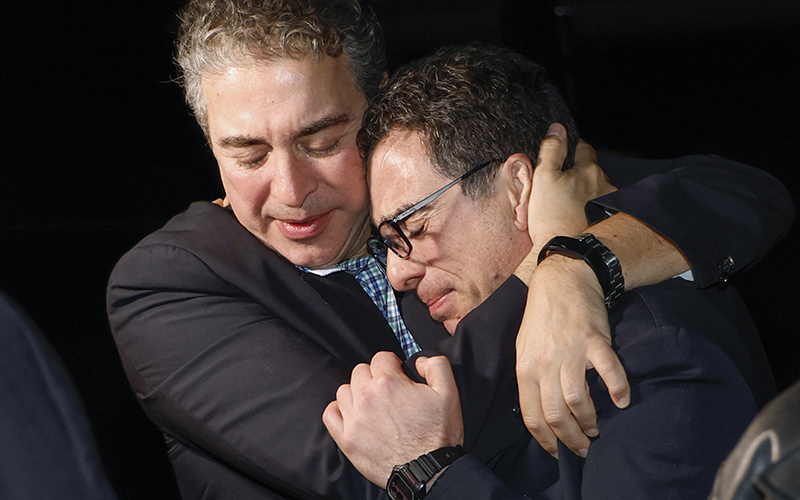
x: 97, y: 148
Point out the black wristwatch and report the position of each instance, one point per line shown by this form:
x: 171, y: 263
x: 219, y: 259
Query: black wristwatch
x: 407, y: 481
x: 602, y: 261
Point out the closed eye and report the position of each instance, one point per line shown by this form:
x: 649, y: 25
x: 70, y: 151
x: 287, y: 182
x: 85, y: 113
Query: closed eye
x: 416, y: 229
x: 321, y: 152
x: 252, y: 163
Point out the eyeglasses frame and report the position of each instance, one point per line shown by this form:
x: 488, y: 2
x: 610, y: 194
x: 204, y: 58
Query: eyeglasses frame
x: 378, y: 245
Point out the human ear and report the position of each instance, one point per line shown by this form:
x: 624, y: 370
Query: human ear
x: 519, y: 171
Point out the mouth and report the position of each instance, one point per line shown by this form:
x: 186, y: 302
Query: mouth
x: 304, y: 228
x: 438, y: 305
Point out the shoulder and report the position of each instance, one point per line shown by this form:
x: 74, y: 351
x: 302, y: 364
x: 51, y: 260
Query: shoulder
x: 202, y: 227
x: 204, y: 240
x: 502, y: 309
x: 674, y: 324
x: 668, y: 163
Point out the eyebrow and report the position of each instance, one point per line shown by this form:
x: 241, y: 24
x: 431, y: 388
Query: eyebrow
x: 322, y: 124
x: 243, y: 141
x: 402, y: 208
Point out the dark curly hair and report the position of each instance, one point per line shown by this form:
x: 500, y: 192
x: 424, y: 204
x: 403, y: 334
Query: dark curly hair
x: 469, y: 104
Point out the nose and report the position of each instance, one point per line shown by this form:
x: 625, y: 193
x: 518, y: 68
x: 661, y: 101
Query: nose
x: 404, y: 274
x: 293, y: 180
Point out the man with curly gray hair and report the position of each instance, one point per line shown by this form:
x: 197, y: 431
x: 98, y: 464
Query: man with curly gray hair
x: 237, y: 325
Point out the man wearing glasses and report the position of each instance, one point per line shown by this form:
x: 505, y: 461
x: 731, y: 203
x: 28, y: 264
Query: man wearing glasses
x: 697, y: 371
x: 236, y: 326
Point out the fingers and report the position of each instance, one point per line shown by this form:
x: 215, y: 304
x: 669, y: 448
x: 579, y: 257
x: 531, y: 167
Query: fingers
x: 362, y: 373
x: 585, y: 154
x: 532, y: 416
x: 607, y: 364
x: 384, y: 363
x: 438, y: 373
x: 579, y: 401
x: 553, y: 149
x: 560, y: 419
x: 332, y: 418
x: 595, y: 179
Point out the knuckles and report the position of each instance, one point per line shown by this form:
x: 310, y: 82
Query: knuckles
x: 556, y: 419
x: 573, y: 398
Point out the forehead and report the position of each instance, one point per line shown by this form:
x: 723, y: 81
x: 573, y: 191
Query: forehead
x: 280, y: 96
x: 400, y: 174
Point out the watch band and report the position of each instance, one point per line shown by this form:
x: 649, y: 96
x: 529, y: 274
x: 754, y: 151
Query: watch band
x: 407, y: 481
x: 602, y: 261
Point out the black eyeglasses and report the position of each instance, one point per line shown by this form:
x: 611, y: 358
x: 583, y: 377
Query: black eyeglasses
x: 390, y: 236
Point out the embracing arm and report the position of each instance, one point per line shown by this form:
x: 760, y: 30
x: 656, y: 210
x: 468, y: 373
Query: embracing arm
x: 707, y: 212
x: 216, y: 369
x: 724, y: 216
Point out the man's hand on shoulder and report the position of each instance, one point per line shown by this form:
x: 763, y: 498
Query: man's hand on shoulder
x: 383, y: 418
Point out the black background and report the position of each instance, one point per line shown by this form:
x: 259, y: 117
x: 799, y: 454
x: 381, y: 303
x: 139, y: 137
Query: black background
x: 97, y: 148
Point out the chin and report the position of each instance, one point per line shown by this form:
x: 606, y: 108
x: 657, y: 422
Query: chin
x: 450, y: 325
x: 310, y: 256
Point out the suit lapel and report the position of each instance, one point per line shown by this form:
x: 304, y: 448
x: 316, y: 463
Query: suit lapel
x: 344, y: 295
x: 271, y: 280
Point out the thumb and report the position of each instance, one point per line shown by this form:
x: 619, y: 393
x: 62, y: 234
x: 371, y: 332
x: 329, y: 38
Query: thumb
x: 553, y: 149
x: 438, y: 374
x: 332, y: 418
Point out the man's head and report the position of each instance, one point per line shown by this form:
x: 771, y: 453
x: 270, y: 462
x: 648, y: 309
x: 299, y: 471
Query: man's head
x: 436, y: 120
x: 279, y: 88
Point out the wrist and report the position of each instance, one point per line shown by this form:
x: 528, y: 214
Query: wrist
x: 411, y: 481
x: 429, y: 484
x: 556, y: 268
x: 596, y: 256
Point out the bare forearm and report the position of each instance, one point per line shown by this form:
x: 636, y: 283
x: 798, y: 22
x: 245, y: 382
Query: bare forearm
x: 645, y: 256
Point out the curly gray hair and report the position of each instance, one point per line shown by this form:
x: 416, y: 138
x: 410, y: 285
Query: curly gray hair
x: 219, y: 34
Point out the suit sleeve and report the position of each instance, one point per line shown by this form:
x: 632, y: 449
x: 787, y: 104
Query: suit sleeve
x: 227, y: 377
x: 689, y: 400
x: 723, y: 215
x: 690, y: 403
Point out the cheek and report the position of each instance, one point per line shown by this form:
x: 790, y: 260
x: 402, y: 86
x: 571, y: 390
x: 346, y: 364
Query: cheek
x: 349, y: 183
x: 246, y: 191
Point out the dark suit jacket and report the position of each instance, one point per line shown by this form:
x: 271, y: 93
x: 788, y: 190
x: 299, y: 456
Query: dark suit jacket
x: 48, y: 450
x: 234, y: 353
x: 698, y: 376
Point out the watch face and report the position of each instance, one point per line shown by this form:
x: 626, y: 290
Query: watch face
x: 402, y: 485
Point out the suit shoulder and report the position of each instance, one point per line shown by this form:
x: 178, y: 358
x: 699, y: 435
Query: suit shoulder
x: 206, y: 234
x: 196, y: 227
x: 693, y: 320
